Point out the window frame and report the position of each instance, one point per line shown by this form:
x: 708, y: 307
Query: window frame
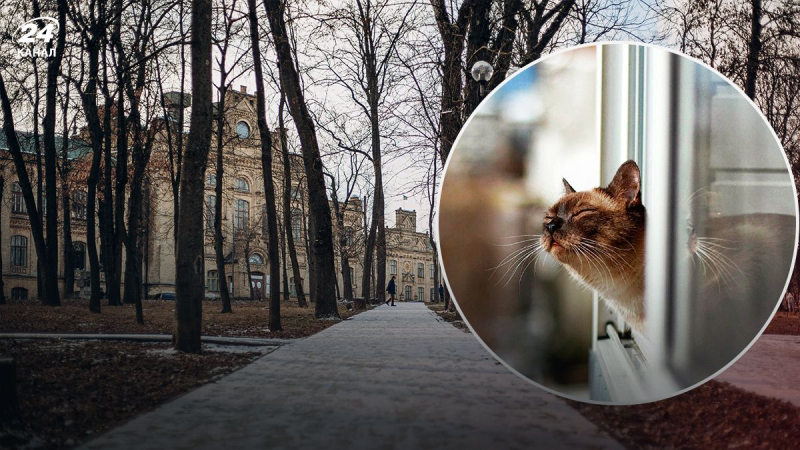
x: 19, y: 251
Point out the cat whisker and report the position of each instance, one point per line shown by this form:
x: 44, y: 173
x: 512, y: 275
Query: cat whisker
x: 517, y: 243
x: 516, y: 260
x: 693, y: 196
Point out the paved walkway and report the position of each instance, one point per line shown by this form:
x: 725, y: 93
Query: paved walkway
x: 769, y: 368
x: 388, y: 378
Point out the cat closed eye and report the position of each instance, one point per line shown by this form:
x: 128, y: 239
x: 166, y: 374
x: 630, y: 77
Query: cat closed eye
x: 583, y: 211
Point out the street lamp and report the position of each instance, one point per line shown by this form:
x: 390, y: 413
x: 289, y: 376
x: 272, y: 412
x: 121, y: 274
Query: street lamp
x: 481, y: 72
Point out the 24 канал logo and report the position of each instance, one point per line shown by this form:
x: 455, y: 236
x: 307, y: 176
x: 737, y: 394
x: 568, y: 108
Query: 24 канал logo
x: 34, y: 36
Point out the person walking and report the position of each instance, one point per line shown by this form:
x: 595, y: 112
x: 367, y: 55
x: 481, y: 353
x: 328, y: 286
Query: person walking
x: 441, y: 292
x: 391, y: 289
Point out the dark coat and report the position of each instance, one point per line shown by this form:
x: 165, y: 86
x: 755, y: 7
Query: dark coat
x: 391, y: 288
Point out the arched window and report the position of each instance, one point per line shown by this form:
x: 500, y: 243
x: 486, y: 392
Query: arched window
x: 79, y: 255
x: 17, y: 200
x: 242, y: 185
x: 211, y: 203
x: 421, y: 270
x: 420, y: 294
x: 19, y: 251
x: 392, y: 267
x: 211, y: 180
x: 408, y: 293
x: 212, y: 279
x: 256, y: 259
x: 297, y: 222
x: 243, y: 130
x: 241, y: 216
x: 19, y: 293
x: 79, y: 205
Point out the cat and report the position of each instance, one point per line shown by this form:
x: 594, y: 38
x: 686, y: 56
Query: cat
x: 599, y: 237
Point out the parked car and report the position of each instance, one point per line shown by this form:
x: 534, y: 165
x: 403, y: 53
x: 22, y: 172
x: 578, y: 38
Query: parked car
x: 164, y: 296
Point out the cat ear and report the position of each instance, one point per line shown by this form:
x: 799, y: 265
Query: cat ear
x: 567, y: 187
x: 626, y: 184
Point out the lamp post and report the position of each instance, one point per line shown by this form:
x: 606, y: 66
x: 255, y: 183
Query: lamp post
x: 481, y: 72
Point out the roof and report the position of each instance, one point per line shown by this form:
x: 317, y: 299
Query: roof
x: 77, y: 147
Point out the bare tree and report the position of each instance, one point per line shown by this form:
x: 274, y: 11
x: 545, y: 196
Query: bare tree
x: 266, y: 168
x: 228, y: 27
x: 189, y: 263
x: 321, y: 229
x: 287, y: 206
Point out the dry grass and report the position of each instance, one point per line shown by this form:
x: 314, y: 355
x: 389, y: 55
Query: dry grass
x: 249, y: 318
x: 448, y: 316
x: 713, y: 416
x: 784, y: 323
x: 72, y: 390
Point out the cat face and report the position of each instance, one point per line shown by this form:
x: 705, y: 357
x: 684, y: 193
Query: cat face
x: 600, y: 230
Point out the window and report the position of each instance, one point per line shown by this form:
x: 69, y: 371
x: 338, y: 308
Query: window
x: 421, y: 270
x: 19, y: 251
x: 433, y: 295
x: 19, y: 293
x: 17, y: 200
x: 242, y: 185
x: 433, y: 270
x: 420, y: 294
x: 296, y: 194
x: 347, y: 239
x: 211, y: 203
x: 79, y: 255
x: 242, y: 130
x: 256, y: 259
x: 241, y: 217
x: 211, y: 180
x: 212, y: 280
x: 408, y: 293
x: 79, y: 205
x: 297, y: 222
x: 392, y: 267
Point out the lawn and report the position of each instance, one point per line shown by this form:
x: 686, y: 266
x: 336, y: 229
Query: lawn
x: 70, y: 391
x: 784, y: 323
x: 715, y: 415
x: 249, y: 318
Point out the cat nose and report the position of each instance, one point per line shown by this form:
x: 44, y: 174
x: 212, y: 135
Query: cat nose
x: 554, y: 225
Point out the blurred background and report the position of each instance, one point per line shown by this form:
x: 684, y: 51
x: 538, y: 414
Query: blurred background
x: 505, y: 171
x: 721, y: 220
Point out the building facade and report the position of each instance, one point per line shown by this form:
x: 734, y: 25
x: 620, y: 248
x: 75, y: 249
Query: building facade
x: 409, y: 254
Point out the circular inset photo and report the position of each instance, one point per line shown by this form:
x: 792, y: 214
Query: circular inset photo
x: 618, y: 223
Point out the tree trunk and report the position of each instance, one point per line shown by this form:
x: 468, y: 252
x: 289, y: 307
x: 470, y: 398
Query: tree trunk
x: 287, y: 207
x: 283, y: 263
x: 107, y: 238
x: 343, y: 251
x: 22, y: 174
x: 309, y: 258
x: 89, y: 103
x: 189, y: 261
x: 319, y: 211
x: 50, y: 156
x: 69, y: 269
x: 269, y: 186
x: 219, y: 240
x: 2, y: 284
x: 247, y: 268
x: 366, y: 280
x: 753, y: 50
